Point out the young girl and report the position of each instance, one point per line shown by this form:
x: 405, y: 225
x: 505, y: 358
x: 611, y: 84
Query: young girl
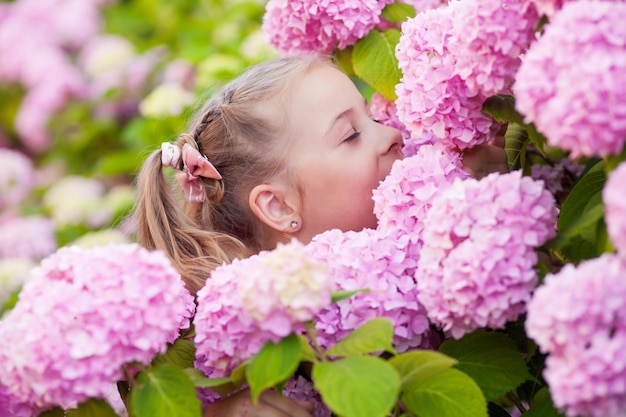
x: 293, y: 152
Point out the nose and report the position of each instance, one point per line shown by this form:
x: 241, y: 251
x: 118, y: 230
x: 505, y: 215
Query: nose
x: 390, y: 139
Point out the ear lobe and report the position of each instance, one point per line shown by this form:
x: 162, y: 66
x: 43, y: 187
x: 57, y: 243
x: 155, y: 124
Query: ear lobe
x: 269, y: 203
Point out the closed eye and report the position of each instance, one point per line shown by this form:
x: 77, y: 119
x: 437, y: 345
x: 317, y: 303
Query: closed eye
x: 352, y: 137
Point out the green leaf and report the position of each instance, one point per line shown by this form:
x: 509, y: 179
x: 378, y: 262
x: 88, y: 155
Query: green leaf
x: 374, y: 336
x: 542, y: 406
x: 92, y: 408
x: 306, y: 351
x: 274, y: 363
x: 491, y: 359
x: 450, y: 393
x: 343, y: 295
x: 359, y: 386
x: 181, y: 353
x: 53, y: 412
x: 398, y: 12
x: 417, y: 365
x: 515, y: 142
x: 162, y: 391
x: 502, y: 108
x: 199, y: 379
x: 580, y: 222
x: 374, y: 61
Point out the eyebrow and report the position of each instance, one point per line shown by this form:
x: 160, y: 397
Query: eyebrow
x: 342, y: 115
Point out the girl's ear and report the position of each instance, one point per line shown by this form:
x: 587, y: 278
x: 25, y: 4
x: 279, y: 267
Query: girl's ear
x: 272, y: 204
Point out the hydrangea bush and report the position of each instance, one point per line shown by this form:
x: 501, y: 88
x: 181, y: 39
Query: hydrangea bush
x: 500, y: 296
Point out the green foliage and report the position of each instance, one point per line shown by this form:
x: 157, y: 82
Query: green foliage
x: 374, y: 336
x: 419, y: 365
x: 358, y: 386
x: 162, y: 391
x: 375, y: 62
x: 492, y: 359
x: 274, y: 363
x: 542, y: 406
x: 92, y: 408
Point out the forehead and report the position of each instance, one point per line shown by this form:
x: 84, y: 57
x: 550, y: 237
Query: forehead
x: 319, y: 96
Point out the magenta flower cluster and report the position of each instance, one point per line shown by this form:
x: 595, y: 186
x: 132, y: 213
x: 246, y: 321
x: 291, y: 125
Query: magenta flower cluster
x: 307, y: 26
x: 578, y: 317
x: 454, y: 57
x: 578, y: 100
x: 615, y: 208
x: 83, y: 315
x: 375, y: 261
x: 251, y: 301
x: 476, y: 267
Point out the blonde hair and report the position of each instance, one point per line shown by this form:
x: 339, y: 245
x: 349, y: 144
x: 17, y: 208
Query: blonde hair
x: 239, y: 140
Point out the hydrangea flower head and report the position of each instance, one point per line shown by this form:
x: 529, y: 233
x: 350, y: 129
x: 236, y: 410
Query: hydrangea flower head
x: 431, y: 95
x: 578, y: 317
x: 251, y: 301
x: 30, y: 237
x: 382, y: 264
x: 492, y: 35
x: 82, y: 315
x: 16, y: 177
x: 403, y: 198
x: 476, y: 267
x: 615, y: 208
x: 578, y: 100
x: 307, y: 26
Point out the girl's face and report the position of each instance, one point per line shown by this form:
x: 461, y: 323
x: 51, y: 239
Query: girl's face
x: 338, y: 153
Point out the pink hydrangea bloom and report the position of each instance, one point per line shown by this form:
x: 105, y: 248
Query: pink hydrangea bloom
x: 251, y: 301
x: 431, y: 95
x: 550, y: 7
x: 307, y: 26
x: 492, y: 34
x: 578, y: 100
x: 403, y: 198
x: 558, y: 178
x: 31, y: 237
x: 82, y: 315
x: 381, y: 263
x: 476, y: 264
x: 17, y: 177
x: 578, y: 317
x: 615, y: 208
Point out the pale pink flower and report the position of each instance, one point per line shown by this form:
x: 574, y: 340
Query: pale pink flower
x: 476, y: 267
x: 82, y: 315
x: 31, y: 237
x: 251, y: 301
x: 307, y: 26
x: 578, y: 317
x: 578, y: 100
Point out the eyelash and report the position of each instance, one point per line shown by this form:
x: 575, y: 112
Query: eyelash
x: 352, y: 137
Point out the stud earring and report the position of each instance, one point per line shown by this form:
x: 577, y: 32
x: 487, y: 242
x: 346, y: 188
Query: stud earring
x: 294, y: 224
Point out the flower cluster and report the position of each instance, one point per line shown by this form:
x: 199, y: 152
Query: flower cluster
x: 82, y: 315
x: 251, y: 301
x: 29, y: 237
x: 377, y: 262
x: 578, y: 316
x: 16, y: 178
x: 431, y: 96
x: 403, y: 198
x: 491, y: 35
x: 559, y: 177
x: 476, y: 265
x: 615, y: 208
x: 300, y: 388
x: 578, y: 100
x: 306, y: 26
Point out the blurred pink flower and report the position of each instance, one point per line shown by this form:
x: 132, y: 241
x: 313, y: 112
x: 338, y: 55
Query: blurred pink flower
x: 379, y: 262
x: 29, y: 237
x: 476, y: 267
x: 254, y: 300
x: 578, y: 100
x: 307, y: 26
x: 578, y: 317
x: 299, y: 388
x: 559, y: 177
x: 84, y: 314
x: 432, y: 97
x: 615, y: 208
x: 17, y: 177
